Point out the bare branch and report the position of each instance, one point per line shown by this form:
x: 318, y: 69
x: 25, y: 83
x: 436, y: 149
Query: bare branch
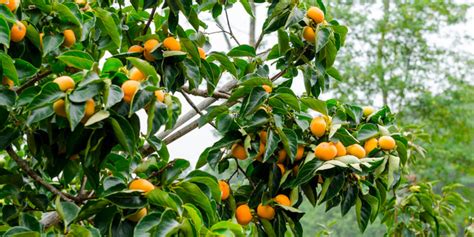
x: 224, y: 33
x: 204, y: 93
x: 31, y: 82
x: 24, y: 166
x: 150, y: 19
x: 190, y: 102
x: 228, y: 25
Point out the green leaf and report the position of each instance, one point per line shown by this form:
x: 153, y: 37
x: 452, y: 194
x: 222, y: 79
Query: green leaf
x: 91, y: 208
x: 348, y: 199
x: 75, y: 113
x: 224, y: 61
x: 334, y: 73
x: 283, y: 42
x: 7, y: 135
x: 7, y: 97
x: 65, y: 14
x: 143, y: 227
x: 367, y: 131
x: 49, y: 93
x: 145, y: 68
x: 345, y: 137
x: 8, y: 67
x: 160, y: 147
x: 322, y: 39
x: 68, y: 211
x: 290, y: 142
x: 112, y: 65
x: 167, y: 226
x: 161, y: 198
x: 192, y: 74
x: 127, y: 199
x: 253, y: 102
x: 84, y: 93
x: 306, y: 172
x: 315, y: 104
x: 212, y: 112
x: 362, y: 213
x: 242, y: 51
x: 194, y: 214
x: 30, y: 222
x: 335, y: 185
x: 123, y: 131
x: 77, y: 59
x: 4, y: 32
x: 24, y: 69
x: 191, y: 193
x: 393, y: 165
x: 288, y: 97
x: 114, y: 95
x: 39, y: 114
x: 6, y: 14
x: 296, y: 15
x: 272, y: 143
x: 268, y: 228
x: 20, y: 231
x: 247, y: 7
x: 111, y: 28
x: 52, y: 43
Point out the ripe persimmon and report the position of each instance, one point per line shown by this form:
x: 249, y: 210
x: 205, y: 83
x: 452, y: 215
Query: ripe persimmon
x: 299, y: 153
x: 318, y: 126
x: 341, y: 149
x: 309, y: 34
x: 160, y: 95
x: 129, y: 89
x: 243, y: 214
x: 135, y: 49
x: 370, y: 145
x: 59, y: 107
x: 316, y: 14
x: 325, y: 151
x: 267, y: 88
x: 202, y: 53
x: 141, y: 184
x: 17, y: 32
x: 387, y: 142
x: 225, y: 189
x: 367, y: 110
x: 282, y: 199
x: 356, y: 150
x: 238, y: 151
x: 65, y: 83
x: 136, y: 217
x: 172, y: 44
x: 69, y: 38
x: 136, y: 75
x: 265, y: 212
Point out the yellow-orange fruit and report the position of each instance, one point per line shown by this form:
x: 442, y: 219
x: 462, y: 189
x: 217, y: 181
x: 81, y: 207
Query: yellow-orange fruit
x: 171, y: 44
x: 129, y: 89
x: 7, y: 82
x: 318, y: 126
x: 141, y: 184
x: 69, y: 38
x: 282, y: 168
x: 136, y: 75
x: 356, y: 150
x: 299, y: 153
x: 263, y: 136
x: 202, y: 53
x: 160, y: 95
x: 59, y: 108
x: 17, y: 32
x: 150, y: 45
x: 265, y: 212
x: 367, y: 110
x: 41, y: 35
x: 148, y: 56
x: 282, y: 199
x: 136, y: 217
x: 238, y: 151
x: 316, y: 14
x: 325, y: 151
x: 261, y: 151
x: 65, y: 83
x: 281, y: 155
x: 341, y: 150
x: 387, y: 142
x: 370, y: 145
x: 267, y: 88
x: 243, y: 214
x: 11, y: 4
x: 135, y: 49
x: 309, y: 34
x: 90, y: 108
x: 225, y: 190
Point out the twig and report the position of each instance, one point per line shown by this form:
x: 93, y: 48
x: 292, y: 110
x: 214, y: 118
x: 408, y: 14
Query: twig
x: 224, y: 33
x: 259, y: 41
x: 33, y: 81
x: 152, y: 14
x: 244, y: 173
x: 83, y: 187
x: 204, y: 93
x: 24, y: 166
x: 190, y: 102
x: 228, y: 25
x: 232, y: 175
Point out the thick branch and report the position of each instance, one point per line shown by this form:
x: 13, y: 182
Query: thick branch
x: 33, y: 81
x: 24, y: 166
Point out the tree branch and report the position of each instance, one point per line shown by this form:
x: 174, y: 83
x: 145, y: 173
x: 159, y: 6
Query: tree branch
x: 150, y: 19
x: 224, y: 33
x: 33, y: 81
x: 24, y: 166
x: 204, y: 93
x: 190, y: 102
x: 228, y: 25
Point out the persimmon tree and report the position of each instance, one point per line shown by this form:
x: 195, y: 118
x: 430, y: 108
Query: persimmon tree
x: 77, y: 163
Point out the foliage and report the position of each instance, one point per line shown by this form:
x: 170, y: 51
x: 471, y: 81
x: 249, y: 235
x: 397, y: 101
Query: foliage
x: 75, y: 144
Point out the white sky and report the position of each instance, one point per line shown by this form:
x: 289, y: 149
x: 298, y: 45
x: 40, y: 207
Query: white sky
x: 192, y: 144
